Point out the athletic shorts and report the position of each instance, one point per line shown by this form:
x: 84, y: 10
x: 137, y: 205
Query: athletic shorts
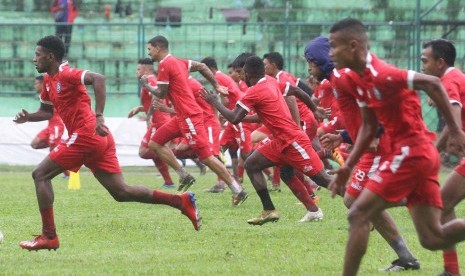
x: 191, y: 128
x: 52, y: 134
x: 332, y: 126
x: 299, y: 154
x: 94, y: 151
x: 460, y: 168
x: 148, y: 135
x: 409, y: 175
x: 367, y: 165
x: 240, y: 133
x: 213, y: 129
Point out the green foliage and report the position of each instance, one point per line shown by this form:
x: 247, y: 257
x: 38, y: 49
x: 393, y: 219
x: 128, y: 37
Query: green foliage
x: 102, y: 237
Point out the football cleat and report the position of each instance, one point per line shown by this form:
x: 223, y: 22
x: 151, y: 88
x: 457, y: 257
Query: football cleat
x: 447, y: 273
x: 275, y: 188
x: 239, y: 198
x: 40, y: 242
x: 312, y: 216
x: 264, y: 217
x: 399, y: 265
x: 185, y: 183
x: 189, y: 209
x: 336, y: 156
x: 217, y: 188
x: 168, y: 186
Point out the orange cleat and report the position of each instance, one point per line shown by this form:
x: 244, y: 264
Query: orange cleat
x: 189, y: 209
x: 40, y: 242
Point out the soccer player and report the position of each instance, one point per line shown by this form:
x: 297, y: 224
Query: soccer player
x: 240, y: 132
x: 173, y: 74
x: 318, y: 50
x: 290, y: 145
x: 90, y: 142
x: 410, y: 173
x: 235, y: 76
x: 154, y: 122
x: 438, y: 58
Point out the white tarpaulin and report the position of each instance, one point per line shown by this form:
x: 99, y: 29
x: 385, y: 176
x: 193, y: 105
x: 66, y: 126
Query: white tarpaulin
x: 15, y: 141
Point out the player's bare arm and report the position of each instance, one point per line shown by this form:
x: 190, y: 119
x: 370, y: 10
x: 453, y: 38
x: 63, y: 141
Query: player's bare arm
x: 98, y: 82
x: 292, y: 105
x: 433, y: 87
x: 161, y: 106
x: 207, y: 74
x: 160, y: 91
x: 135, y: 111
x: 44, y: 113
x: 320, y: 113
x: 364, y: 138
x: 251, y: 119
x: 442, y: 140
x: 234, y: 117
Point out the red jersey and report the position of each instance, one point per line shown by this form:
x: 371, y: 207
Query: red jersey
x: 56, y: 119
x: 387, y: 90
x: 234, y: 93
x: 350, y: 110
x: 175, y: 73
x: 208, y: 110
x: 158, y: 118
x: 306, y: 115
x: 325, y: 95
x: 242, y: 86
x: 266, y: 99
x: 67, y: 93
x: 453, y: 81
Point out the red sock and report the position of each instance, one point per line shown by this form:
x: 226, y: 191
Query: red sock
x: 451, y: 262
x: 240, y: 171
x: 307, y: 184
x: 163, y: 169
x: 48, y: 222
x: 267, y: 172
x: 276, y: 176
x: 172, y: 200
x: 299, y: 190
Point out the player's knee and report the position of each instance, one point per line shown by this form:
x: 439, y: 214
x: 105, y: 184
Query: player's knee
x: 250, y: 166
x: 356, y: 216
x: 34, y: 146
x: 38, y: 174
x: 286, y: 173
x: 233, y: 154
x: 120, y: 195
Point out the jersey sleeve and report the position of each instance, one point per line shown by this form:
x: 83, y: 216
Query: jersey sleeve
x: 248, y: 100
x: 163, y: 73
x: 74, y: 76
x: 453, y: 91
x: 44, y: 98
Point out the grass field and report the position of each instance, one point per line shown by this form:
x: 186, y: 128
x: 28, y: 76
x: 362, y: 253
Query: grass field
x: 102, y: 237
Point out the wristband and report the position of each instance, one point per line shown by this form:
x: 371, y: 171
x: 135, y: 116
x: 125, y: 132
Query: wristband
x: 345, y: 137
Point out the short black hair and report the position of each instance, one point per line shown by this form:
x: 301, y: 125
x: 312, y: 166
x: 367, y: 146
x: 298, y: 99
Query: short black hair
x: 210, y: 62
x: 442, y: 48
x: 239, y: 62
x: 276, y: 58
x: 39, y: 78
x: 254, y: 66
x: 348, y: 24
x: 230, y: 65
x: 159, y: 41
x: 54, y: 45
x: 145, y: 61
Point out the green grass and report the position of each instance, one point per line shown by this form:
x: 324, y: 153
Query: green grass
x: 100, y: 236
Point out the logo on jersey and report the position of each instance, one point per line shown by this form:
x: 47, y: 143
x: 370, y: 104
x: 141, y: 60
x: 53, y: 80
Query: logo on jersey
x: 47, y: 87
x: 58, y: 87
x: 377, y: 94
x: 307, y: 169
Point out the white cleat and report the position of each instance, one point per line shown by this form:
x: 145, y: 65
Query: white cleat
x: 312, y: 216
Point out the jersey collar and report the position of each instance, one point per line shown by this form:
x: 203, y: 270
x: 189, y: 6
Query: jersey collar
x: 168, y: 55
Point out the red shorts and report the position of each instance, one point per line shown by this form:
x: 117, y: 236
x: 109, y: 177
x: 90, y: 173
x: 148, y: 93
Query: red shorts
x: 332, y: 126
x: 95, y: 152
x: 299, y: 154
x: 410, y: 175
x: 310, y: 126
x: 240, y: 133
x: 192, y: 128
x: 52, y: 134
x: 264, y: 129
x: 213, y: 129
x: 460, y: 168
x: 148, y: 135
x: 367, y: 165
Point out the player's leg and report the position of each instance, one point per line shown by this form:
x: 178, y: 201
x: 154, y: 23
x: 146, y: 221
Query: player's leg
x: 42, y: 176
x: 367, y: 206
x: 41, y: 140
x: 452, y: 192
x: 146, y: 153
x: 121, y: 192
x: 254, y: 165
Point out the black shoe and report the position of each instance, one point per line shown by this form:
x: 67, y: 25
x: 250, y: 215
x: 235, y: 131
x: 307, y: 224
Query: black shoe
x: 399, y: 265
x: 447, y: 273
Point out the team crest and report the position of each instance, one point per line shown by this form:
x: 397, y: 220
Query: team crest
x: 377, y: 94
x: 59, y: 87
